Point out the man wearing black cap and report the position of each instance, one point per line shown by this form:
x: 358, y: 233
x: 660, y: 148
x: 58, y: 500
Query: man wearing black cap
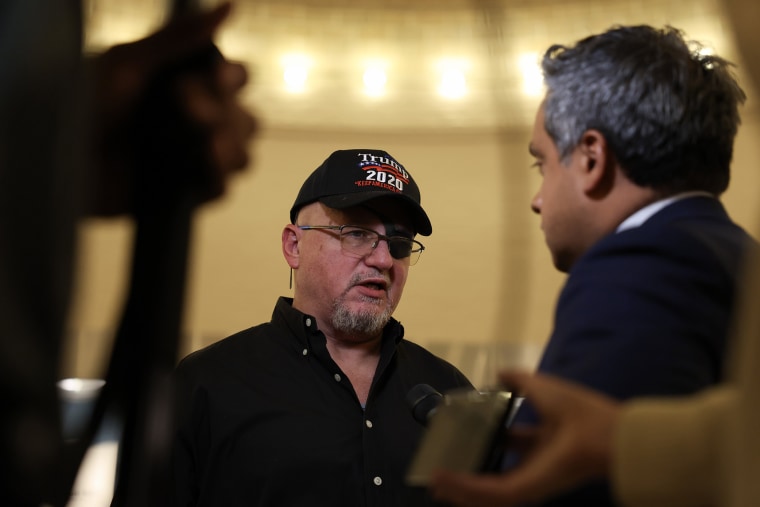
x: 309, y: 409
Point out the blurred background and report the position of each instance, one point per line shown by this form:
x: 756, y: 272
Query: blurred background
x: 449, y: 88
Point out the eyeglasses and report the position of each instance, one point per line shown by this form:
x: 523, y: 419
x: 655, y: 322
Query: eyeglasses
x: 360, y: 242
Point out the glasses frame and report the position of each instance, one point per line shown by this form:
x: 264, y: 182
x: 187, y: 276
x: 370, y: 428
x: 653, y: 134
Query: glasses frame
x: 414, y: 254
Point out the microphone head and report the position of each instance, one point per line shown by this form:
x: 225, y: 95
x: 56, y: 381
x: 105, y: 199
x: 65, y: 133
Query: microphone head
x: 422, y: 400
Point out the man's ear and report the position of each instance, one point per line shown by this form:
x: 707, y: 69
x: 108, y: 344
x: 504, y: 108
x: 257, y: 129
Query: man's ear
x: 290, y: 246
x: 597, y: 167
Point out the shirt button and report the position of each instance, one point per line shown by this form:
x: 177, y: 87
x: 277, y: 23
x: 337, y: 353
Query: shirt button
x: 377, y: 480
x: 368, y: 423
x: 305, y: 351
x: 308, y: 322
x: 337, y: 377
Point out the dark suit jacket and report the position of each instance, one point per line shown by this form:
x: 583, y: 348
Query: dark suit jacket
x: 646, y: 311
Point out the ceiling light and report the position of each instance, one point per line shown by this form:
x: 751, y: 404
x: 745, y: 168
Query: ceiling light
x: 296, y: 72
x: 532, y: 75
x: 374, y: 79
x: 453, y: 84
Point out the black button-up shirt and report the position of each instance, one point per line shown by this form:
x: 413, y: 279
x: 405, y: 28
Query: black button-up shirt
x: 267, y: 418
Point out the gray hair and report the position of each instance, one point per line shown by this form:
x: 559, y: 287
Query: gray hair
x: 668, y: 111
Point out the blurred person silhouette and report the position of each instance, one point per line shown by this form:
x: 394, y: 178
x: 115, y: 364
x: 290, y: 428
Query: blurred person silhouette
x: 310, y: 408
x: 633, y: 141
x: 72, y: 144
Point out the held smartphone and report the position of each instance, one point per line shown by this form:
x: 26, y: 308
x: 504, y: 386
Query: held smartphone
x: 466, y: 434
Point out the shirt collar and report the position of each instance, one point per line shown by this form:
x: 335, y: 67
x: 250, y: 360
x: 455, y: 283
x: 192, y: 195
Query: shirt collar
x: 645, y: 213
x: 304, y: 326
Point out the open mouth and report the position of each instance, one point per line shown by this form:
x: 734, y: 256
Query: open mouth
x: 373, y: 283
x: 374, y: 286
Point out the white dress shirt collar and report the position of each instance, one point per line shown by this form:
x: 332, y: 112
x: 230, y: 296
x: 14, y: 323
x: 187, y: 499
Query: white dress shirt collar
x: 642, y: 215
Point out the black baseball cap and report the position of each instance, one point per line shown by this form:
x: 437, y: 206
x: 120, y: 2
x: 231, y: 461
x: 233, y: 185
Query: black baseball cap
x: 352, y: 177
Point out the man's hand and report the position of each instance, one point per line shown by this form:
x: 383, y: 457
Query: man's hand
x: 215, y: 128
x: 572, y: 444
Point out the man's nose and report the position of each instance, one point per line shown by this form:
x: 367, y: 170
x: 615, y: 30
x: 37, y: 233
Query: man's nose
x: 380, y: 255
x: 535, y: 204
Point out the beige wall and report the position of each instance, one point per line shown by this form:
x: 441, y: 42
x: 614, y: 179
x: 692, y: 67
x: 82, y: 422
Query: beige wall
x: 482, y: 295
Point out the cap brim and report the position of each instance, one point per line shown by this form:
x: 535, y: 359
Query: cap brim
x: 420, y: 219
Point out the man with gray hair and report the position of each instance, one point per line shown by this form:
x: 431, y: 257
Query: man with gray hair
x: 634, y: 141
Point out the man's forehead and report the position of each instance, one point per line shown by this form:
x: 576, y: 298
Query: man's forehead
x: 390, y: 212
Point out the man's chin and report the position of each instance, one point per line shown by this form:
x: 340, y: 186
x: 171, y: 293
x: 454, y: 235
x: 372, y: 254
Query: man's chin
x: 362, y: 317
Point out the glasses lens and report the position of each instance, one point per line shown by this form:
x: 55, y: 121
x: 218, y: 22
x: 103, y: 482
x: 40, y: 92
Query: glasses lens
x: 357, y: 241
x: 405, y: 249
x: 415, y: 253
x: 400, y: 248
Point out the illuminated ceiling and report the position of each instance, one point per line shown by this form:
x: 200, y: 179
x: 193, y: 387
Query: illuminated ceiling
x: 488, y: 46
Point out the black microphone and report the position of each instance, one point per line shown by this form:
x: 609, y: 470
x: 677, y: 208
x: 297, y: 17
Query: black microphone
x: 423, y: 401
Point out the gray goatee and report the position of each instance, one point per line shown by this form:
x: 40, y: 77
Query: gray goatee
x: 362, y: 322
